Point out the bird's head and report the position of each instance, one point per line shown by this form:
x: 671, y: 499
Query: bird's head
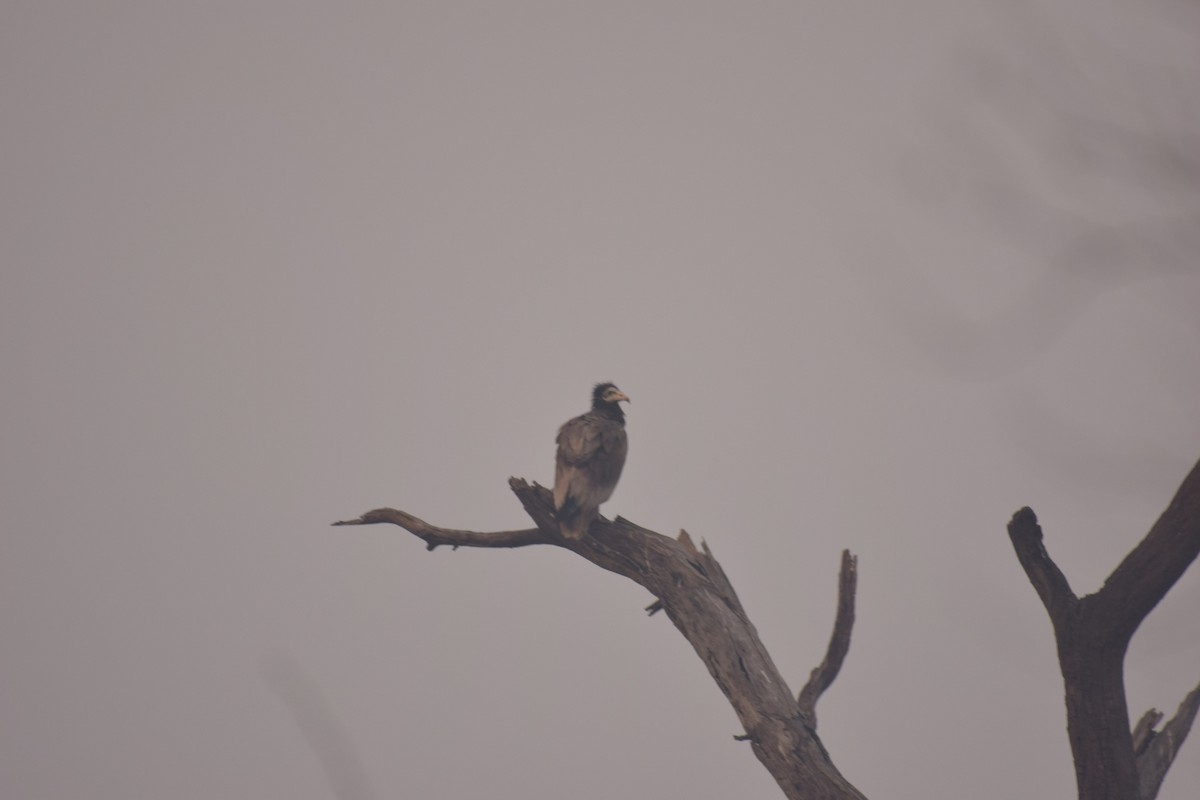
x: 607, y: 395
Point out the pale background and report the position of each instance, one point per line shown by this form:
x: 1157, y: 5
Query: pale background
x: 874, y: 274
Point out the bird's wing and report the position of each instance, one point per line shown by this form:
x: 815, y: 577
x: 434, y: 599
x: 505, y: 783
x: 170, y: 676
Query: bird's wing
x: 579, y: 439
x: 591, y: 453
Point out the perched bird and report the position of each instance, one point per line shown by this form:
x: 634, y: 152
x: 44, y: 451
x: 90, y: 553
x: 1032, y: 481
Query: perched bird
x: 591, y: 453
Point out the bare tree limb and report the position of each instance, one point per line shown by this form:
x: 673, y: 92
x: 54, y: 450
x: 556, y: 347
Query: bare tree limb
x: 1150, y: 570
x: 1158, y: 750
x: 1044, y: 574
x: 839, y: 641
x: 698, y: 597
x: 434, y: 536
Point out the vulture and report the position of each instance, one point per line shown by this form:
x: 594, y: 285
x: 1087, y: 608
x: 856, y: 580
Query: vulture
x: 591, y: 453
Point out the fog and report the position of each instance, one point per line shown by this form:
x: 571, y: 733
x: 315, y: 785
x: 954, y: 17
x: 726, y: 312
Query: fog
x: 874, y: 276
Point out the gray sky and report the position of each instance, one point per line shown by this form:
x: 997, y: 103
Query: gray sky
x: 270, y: 265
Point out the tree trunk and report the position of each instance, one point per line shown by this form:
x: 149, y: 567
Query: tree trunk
x: 1097, y: 719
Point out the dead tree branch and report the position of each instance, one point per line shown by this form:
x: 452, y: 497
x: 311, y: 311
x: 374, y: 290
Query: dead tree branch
x: 434, y: 536
x: 839, y: 642
x: 1157, y: 749
x: 694, y: 591
x: 1093, y: 633
x: 1145, y: 576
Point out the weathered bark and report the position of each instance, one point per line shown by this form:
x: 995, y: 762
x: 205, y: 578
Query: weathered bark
x: 1093, y: 633
x: 697, y: 596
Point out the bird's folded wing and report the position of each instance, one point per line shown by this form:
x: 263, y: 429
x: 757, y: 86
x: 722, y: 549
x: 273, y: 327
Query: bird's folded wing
x: 580, y: 439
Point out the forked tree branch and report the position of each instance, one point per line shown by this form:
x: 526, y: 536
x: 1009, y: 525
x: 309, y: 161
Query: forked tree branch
x: 695, y: 593
x: 1092, y: 634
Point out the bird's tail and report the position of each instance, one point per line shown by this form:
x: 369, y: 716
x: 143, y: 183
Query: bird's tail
x: 568, y: 532
x: 572, y: 522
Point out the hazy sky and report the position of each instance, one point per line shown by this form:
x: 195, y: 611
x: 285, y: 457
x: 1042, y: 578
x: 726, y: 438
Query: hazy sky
x: 875, y: 276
